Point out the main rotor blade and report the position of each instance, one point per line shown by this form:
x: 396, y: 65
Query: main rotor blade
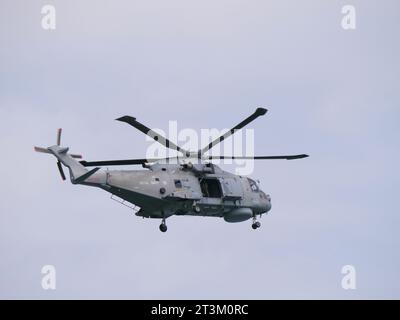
x: 288, y: 157
x: 121, y: 162
x: 61, y: 170
x: 151, y: 133
x: 259, y: 112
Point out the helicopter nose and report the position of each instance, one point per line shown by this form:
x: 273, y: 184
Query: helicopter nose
x: 265, y: 196
x: 266, y: 199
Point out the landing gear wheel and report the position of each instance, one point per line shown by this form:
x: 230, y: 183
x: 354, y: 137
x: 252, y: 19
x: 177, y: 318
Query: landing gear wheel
x: 256, y: 225
x: 163, y: 227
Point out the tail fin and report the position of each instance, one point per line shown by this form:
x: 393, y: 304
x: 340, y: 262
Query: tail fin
x: 75, y: 168
x: 78, y: 173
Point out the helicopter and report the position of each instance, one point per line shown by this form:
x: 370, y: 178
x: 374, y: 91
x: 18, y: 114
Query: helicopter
x: 175, y: 185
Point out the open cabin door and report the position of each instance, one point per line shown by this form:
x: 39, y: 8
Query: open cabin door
x: 211, y: 203
x: 226, y: 188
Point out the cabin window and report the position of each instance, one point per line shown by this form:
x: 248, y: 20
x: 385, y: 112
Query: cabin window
x: 211, y: 188
x: 253, y: 185
x: 178, y: 184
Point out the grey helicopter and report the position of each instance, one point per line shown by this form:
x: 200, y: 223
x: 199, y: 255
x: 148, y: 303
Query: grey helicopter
x: 175, y: 185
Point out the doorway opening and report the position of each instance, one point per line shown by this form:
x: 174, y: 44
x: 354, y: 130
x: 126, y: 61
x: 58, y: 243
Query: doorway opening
x: 211, y: 188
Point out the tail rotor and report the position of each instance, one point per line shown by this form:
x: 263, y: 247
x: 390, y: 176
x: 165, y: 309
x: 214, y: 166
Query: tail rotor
x: 59, y: 165
x: 59, y: 132
x: 62, y: 174
x: 60, y: 168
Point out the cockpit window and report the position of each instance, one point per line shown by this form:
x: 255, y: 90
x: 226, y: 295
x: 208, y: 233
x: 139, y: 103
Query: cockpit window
x: 253, y: 185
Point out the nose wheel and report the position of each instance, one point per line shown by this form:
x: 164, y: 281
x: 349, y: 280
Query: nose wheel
x: 256, y: 224
x: 163, y: 226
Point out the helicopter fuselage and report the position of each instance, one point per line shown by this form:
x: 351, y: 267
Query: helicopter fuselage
x: 175, y: 189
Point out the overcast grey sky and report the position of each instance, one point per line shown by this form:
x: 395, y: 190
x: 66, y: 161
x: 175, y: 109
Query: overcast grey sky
x: 331, y: 93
